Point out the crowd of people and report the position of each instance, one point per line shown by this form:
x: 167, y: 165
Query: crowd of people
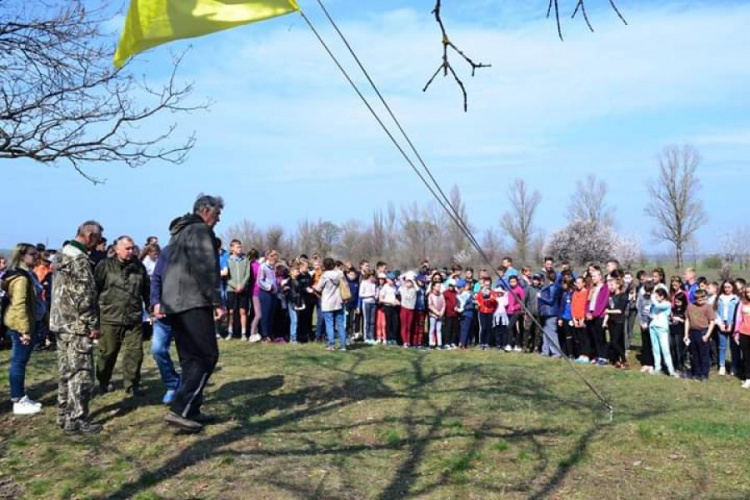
x: 89, y: 301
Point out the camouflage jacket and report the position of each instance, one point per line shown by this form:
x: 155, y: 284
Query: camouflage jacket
x: 74, y: 298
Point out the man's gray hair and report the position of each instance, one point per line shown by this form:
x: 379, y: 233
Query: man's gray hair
x: 123, y: 238
x: 205, y: 201
x: 90, y: 227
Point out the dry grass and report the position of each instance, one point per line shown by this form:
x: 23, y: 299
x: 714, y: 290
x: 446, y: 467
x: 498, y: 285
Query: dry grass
x: 299, y: 422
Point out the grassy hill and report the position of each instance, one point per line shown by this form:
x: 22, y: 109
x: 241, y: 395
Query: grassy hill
x: 299, y: 422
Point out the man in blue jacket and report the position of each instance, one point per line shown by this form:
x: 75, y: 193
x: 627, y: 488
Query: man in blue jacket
x: 162, y: 337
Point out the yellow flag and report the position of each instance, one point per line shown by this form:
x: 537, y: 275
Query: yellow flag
x: 153, y: 22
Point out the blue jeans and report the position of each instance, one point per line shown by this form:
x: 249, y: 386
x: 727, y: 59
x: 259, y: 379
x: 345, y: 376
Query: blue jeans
x: 292, y: 322
x: 19, y: 357
x: 320, y: 323
x: 160, y: 342
x: 700, y: 354
x: 724, y: 340
x: 267, y: 313
x: 369, y: 310
x: 550, y: 339
x: 335, y: 318
x: 466, y: 321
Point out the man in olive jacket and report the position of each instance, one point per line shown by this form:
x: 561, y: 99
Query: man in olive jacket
x: 124, y: 288
x: 191, y: 300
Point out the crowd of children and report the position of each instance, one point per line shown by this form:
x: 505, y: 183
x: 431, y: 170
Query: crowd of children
x: 686, y: 325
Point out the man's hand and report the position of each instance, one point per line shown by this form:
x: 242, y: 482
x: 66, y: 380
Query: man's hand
x: 95, y: 334
x: 25, y: 338
x: 157, y: 312
x: 219, y: 313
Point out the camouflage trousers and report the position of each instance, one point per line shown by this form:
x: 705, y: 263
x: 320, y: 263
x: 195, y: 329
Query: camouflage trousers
x: 75, y: 360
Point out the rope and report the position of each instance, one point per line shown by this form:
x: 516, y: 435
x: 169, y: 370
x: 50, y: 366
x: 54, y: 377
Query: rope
x: 437, y: 192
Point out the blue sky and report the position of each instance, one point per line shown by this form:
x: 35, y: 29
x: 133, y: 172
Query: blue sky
x: 287, y: 139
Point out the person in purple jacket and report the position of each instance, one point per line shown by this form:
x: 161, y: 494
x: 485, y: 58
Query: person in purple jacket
x: 596, y: 309
x: 162, y: 336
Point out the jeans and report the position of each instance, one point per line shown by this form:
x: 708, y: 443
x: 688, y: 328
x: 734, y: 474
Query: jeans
x: 19, y: 357
x: 369, y: 310
x: 700, y: 354
x: 292, y: 322
x: 320, y: 325
x: 267, y: 313
x: 160, y: 342
x: 436, y: 332
x: 550, y: 340
x: 485, y: 328
x: 335, y: 319
x: 724, y: 340
x: 467, y: 321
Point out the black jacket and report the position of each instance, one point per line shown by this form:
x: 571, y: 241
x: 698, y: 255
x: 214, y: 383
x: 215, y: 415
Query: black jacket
x: 191, y: 280
x: 123, y: 289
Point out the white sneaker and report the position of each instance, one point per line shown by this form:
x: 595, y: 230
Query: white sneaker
x: 746, y: 384
x: 722, y: 371
x: 255, y: 338
x: 25, y: 406
x: 517, y: 349
x: 507, y: 348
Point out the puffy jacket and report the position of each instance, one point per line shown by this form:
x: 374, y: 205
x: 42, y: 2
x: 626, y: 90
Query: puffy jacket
x: 191, y: 280
x: 123, y: 290
x: 74, y: 308
x: 20, y: 314
x: 549, y: 300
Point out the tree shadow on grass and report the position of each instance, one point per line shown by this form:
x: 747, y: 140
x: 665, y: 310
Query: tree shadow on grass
x: 342, y: 386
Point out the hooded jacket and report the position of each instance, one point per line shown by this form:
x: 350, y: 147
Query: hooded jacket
x: 74, y: 308
x: 123, y: 290
x: 22, y: 297
x: 191, y: 280
x: 328, y: 286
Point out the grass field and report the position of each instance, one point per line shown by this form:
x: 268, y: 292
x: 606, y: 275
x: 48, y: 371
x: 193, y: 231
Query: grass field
x: 300, y: 422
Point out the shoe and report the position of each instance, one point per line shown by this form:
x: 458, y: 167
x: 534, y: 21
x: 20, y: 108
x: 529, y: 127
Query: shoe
x: 582, y: 360
x: 105, y: 388
x: 182, y: 423
x: 82, y: 427
x: 343, y: 349
x: 266, y: 340
x: 25, y: 406
x: 228, y: 337
x: 218, y: 336
x: 644, y: 369
x: 507, y: 348
x: 746, y: 384
x: 135, y: 391
x: 625, y: 366
x: 244, y: 337
x: 330, y: 348
x: 204, y: 418
x: 722, y: 371
x: 169, y: 396
x: 602, y: 362
x: 517, y: 349
x: 674, y: 375
x: 294, y: 342
x: 254, y: 338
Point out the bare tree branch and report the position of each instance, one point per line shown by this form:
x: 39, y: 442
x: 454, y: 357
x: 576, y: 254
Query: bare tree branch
x: 445, y: 65
x: 61, y: 99
x: 580, y: 7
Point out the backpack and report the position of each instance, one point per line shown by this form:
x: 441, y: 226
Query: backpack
x: 346, y: 293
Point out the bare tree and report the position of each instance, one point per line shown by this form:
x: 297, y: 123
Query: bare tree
x: 518, y: 222
x: 493, y: 244
x: 248, y: 233
x: 587, y: 203
x: 674, y: 203
x: 457, y: 238
x: 61, y: 100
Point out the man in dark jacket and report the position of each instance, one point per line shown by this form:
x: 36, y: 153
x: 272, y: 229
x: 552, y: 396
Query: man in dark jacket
x: 123, y: 287
x: 191, y: 300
